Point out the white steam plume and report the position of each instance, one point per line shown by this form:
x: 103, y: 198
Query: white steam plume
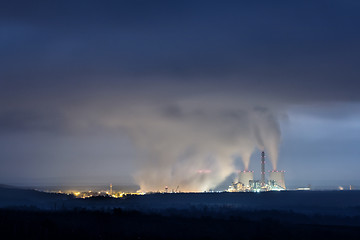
x: 267, y: 133
x: 192, y: 144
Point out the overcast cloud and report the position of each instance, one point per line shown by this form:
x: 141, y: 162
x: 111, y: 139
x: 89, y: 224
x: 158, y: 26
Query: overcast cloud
x: 151, y: 92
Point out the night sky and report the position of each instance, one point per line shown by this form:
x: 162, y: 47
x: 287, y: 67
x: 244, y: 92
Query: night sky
x: 174, y: 93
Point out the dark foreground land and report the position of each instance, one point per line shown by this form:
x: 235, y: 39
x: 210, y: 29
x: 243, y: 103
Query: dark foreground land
x: 195, y: 224
x: 26, y: 214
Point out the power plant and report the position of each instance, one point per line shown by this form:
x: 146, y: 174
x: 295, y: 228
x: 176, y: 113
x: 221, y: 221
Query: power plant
x: 246, y: 182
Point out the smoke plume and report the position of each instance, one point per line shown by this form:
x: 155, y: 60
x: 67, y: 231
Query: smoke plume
x: 193, y: 144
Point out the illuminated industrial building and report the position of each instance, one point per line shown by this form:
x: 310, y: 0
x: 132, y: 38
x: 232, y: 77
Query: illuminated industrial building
x: 278, y: 177
x: 246, y: 182
x: 245, y: 177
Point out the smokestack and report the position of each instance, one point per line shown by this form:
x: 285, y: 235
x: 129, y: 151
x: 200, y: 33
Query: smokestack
x: 262, y: 168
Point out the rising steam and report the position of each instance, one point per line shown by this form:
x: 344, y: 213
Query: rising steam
x: 193, y: 145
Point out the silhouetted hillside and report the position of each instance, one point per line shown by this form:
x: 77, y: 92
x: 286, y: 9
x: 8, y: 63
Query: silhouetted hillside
x: 120, y: 224
x: 29, y: 214
x: 19, y: 197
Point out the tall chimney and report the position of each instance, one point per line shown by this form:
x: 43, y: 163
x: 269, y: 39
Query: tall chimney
x: 262, y: 168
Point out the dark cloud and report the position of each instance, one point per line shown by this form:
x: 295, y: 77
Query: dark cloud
x: 283, y: 50
x: 30, y: 121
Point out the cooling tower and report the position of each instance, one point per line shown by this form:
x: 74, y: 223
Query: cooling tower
x: 245, y: 177
x: 278, y: 177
